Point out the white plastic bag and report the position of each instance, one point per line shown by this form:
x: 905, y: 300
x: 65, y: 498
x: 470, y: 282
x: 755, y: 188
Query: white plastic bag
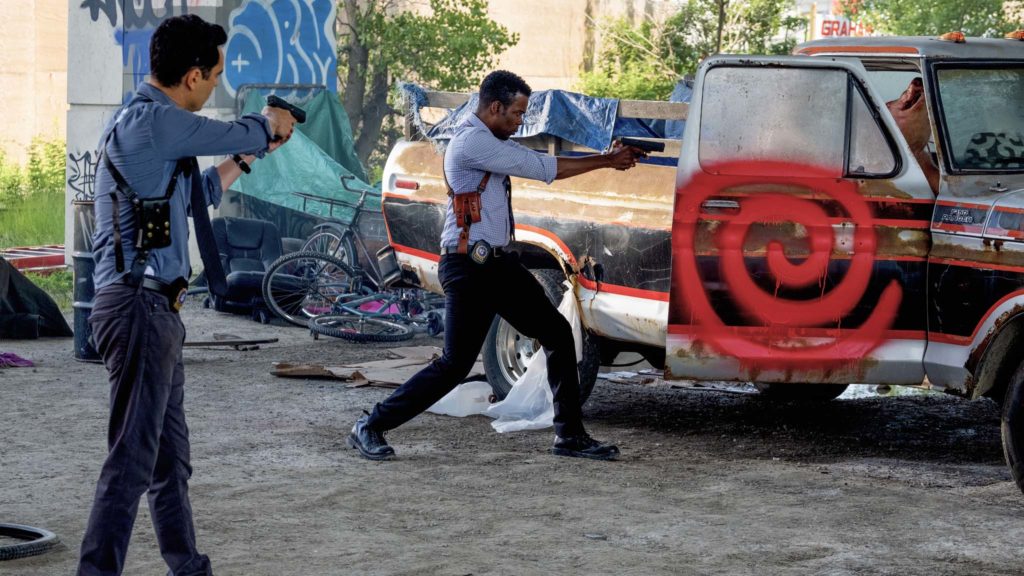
x: 529, y: 405
x: 466, y: 399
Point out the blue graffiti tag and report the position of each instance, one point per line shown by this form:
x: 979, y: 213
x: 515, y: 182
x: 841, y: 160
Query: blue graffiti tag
x: 281, y: 42
x: 135, y: 53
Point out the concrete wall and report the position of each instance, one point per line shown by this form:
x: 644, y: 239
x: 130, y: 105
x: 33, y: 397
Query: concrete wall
x: 33, y: 78
x: 560, y: 38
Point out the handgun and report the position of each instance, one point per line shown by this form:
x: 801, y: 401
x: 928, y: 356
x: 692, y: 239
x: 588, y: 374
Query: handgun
x: 277, y: 102
x: 298, y: 113
x: 646, y: 145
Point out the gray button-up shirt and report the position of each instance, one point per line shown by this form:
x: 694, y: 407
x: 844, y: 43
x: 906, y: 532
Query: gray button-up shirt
x: 152, y: 134
x: 473, y: 152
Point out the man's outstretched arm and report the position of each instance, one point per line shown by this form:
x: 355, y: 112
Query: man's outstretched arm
x: 620, y: 158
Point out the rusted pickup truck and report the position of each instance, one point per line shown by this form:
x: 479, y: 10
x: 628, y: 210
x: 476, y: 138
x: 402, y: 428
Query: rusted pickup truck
x: 791, y: 238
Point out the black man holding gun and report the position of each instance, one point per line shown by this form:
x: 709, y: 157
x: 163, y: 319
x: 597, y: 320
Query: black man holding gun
x: 147, y: 183
x: 482, y: 278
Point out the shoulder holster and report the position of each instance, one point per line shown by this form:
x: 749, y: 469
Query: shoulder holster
x: 152, y: 215
x: 466, y: 206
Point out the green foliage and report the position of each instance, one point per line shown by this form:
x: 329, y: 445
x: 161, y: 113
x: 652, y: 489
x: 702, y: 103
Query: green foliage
x: 59, y: 285
x: 46, y: 165
x: 646, y: 60
x: 450, y: 47
x: 932, y: 17
x: 32, y: 197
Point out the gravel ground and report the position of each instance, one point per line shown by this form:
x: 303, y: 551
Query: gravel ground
x: 709, y: 482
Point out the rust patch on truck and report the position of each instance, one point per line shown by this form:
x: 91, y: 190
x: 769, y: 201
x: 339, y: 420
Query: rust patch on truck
x: 987, y: 254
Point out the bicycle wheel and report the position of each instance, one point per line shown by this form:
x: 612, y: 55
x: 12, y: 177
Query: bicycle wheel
x: 359, y: 328
x: 332, y: 242
x: 301, y: 285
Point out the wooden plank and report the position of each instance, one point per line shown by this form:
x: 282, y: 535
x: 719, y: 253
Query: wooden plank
x: 446, y: 99
x: 651, y: 109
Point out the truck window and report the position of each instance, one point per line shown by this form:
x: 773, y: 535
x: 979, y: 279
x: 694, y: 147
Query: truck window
x: 983, y: 117
x: 784, y: 114
x: 870, y: 152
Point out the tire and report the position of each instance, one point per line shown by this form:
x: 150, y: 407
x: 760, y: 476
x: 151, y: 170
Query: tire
x: 1011, y: 426
x: 506, y: 350
x: 333, y: 242
x: 301, y: 285
x: 359, y: 328
x: 37, y: 541
x: 790, y: 392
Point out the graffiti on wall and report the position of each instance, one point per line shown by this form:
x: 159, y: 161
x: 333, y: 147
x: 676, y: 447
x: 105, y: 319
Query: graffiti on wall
x: 140, y: 19
x: 82, y: 174
x: 281, y: 42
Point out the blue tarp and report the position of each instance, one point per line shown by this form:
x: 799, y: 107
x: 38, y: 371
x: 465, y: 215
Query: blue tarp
x: 580, y: 119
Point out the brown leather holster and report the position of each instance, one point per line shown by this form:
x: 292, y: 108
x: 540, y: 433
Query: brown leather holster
x: 466, y: 206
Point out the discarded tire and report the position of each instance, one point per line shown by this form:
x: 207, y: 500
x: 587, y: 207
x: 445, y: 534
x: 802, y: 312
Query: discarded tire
x: 37, y: 541
x: 1012, y: 426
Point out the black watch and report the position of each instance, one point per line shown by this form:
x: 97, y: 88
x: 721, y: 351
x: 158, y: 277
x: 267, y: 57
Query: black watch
x: 242, y: 164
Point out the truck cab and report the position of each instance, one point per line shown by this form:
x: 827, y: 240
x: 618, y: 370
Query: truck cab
x: 809, y: 246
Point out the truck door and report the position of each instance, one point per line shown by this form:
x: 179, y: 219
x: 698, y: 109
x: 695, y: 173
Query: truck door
x: 800, y: 230
x: 976, y: 266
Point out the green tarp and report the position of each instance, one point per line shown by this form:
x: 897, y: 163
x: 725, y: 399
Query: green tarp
x: 319, y: 153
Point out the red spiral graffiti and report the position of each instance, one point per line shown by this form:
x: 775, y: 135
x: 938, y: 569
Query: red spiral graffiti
x: 780, y: 317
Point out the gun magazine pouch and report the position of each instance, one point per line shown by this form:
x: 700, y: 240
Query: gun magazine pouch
x: 153, y: 221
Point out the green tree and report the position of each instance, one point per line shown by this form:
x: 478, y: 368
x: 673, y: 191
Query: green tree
x: 646, y: 60
x: 448, y: 47
x: 932, y: 17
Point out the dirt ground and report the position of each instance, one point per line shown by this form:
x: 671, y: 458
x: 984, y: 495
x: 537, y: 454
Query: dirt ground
x: 709, y: 482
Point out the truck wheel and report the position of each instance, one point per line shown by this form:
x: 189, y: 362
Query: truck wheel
x: 1012, y: 426
x: 813, y: 392
x: 506, y: 350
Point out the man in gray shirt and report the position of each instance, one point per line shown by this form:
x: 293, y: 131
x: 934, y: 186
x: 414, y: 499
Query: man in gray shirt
x: 151, y: 144
x: 480, y: 279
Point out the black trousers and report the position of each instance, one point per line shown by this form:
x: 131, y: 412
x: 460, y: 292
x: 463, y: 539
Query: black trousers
x: 474, y: 293
x: 140, y: 340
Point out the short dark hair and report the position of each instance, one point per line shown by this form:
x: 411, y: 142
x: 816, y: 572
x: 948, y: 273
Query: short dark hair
x: 502, y: 85
x: 181, y: 42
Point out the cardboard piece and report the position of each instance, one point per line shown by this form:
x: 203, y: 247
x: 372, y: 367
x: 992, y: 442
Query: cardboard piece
x: 389, y: 373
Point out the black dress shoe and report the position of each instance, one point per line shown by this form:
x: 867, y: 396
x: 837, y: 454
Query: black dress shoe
x: 583, y: 446
x: 370, y: 443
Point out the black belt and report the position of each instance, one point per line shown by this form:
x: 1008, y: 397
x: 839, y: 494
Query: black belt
x: 174, y: 292
x: 495, y: 252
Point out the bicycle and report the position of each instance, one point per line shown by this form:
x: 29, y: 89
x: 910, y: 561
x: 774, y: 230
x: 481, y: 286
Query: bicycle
x: 341, y: 240
x: 323, y: 287
x: 390, y: 316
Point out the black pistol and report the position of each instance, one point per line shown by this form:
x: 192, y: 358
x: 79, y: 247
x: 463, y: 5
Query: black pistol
x: 277, y: 102
x: 298, y: 113
x: 646, y: 145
